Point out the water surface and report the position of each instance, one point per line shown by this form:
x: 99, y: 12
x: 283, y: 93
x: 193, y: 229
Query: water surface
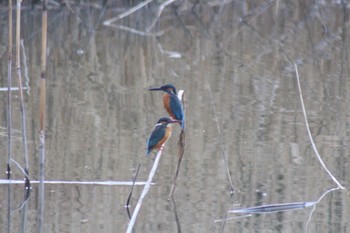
x: 235, y: 63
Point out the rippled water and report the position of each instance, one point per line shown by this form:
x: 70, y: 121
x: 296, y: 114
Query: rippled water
x: 235, y: 62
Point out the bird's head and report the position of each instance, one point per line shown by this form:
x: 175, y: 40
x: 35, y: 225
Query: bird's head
x: 168, y: 88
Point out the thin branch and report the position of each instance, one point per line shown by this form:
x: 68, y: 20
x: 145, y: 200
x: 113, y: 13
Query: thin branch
x: 144, y: 191
x: 127, y: 205
x: 309, y: 132
x: 159, y: 12
x: 318, y: 201
x: 126, y: 13
x: 20, y: 168
x: 223, y: 153
x: 176, y: 216
x: 224, y: 157
x: 135, y: 31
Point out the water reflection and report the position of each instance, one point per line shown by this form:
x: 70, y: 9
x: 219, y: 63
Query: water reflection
x: 100, y: 114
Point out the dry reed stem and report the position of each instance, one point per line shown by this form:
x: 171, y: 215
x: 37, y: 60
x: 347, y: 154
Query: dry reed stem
x: 42, y: 119
x: 145, y: 190
x: 23, y: 114
x: 9, y: 96
x: 9, y: 118
x: 19, y: 77
x: 309, y: 132
x: 180, y: 146
x: 24, y: 61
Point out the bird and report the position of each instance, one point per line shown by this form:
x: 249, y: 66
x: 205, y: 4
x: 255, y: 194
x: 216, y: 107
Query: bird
x: 172, y: 103
x: 160, y: 134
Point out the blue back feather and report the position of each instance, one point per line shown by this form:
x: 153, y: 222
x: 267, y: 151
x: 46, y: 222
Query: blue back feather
x: 157, y: 134
x: 176, y: 107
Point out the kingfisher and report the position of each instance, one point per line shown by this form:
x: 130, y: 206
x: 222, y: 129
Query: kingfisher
x: 171, y: 102
x: 160, y: 134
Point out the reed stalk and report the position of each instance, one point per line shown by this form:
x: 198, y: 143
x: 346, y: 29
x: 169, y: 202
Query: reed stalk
x: 19, y: 77
x: 9, y: 94
x: 144, y: 191
x: 23, y: 114
x: 42, y: 119
x: 180, y: 146
x: 9, y: 117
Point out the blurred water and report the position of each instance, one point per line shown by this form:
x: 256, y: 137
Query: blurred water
x: 99, y: 115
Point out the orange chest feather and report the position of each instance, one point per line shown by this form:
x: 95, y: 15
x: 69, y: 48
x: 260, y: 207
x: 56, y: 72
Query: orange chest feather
x: 165, y: 138
x: 166, y: 102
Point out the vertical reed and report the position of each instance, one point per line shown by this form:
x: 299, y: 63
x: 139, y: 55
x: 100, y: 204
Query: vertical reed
x: 9, y: 117
x: 9, y: 96
x: 42, y: 118
x: 23, y: 113
x: 19, y: 77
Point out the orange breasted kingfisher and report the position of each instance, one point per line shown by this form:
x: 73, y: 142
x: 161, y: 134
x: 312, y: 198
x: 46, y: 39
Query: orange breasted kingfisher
x: 160, y: 134
x: 171, y: 102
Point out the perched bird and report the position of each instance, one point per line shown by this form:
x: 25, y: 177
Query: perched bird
x: 171, y: 102
x: 160, y: 134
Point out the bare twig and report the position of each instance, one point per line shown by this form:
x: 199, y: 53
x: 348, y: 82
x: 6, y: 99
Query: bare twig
x: 309, y: 132
x: 144, y: 191
x: 258, y: 11
x: 318, y: 201
x: 176, y: 216
x: 127, y: 205
x: 22, y: 206
x: 159, y: 12
x: 221, y: 140
x: 224, y: 157
x: 135, y: 31
x: 20, y: 168
x: 126, y: 13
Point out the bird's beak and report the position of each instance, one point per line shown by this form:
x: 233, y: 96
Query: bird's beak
x: 175, y: 121
x: 155, y: 89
